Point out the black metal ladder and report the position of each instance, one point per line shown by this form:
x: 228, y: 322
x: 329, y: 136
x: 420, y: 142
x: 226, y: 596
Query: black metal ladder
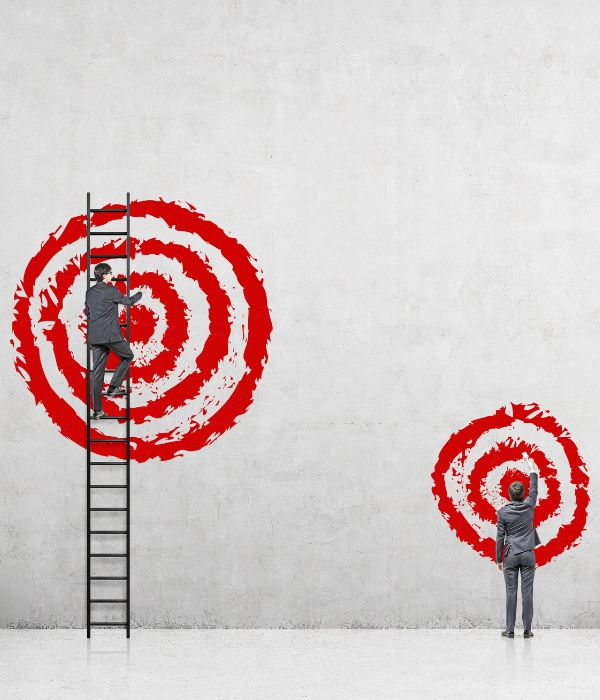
x: 94, y: 257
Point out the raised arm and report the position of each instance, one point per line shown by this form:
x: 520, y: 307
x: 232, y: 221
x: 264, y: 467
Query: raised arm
x: 533, y: 481
x: 128, y: 301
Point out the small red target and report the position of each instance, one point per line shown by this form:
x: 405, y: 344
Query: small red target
x: 477, y: 464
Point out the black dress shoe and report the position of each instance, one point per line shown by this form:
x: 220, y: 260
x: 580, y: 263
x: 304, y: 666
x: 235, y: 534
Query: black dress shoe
x: 96, y: 415
x: 508, y: 634
x: 115, y: 391
x: 527, y: 634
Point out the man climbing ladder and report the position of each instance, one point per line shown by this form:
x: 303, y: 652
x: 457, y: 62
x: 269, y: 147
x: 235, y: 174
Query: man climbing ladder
x: 104, y: 333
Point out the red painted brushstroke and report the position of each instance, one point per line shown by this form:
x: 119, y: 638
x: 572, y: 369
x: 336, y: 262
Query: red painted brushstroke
x: 460, y: 444
x: 166, y: 445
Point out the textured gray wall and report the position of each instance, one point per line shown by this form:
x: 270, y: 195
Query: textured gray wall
x: 419, y: 183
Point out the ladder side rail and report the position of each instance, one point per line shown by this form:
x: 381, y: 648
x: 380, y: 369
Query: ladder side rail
x: 128, y: 417
x: 88, y: 428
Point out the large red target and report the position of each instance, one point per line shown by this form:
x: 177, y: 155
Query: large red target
x: 478, y: 462
x: 200, y: 337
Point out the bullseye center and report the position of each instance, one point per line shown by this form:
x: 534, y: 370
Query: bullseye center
x: 143, y: 323
x: 509, y: 476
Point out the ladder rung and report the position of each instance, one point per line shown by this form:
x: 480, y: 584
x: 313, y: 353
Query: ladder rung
x: 108, y: 600
x: 114, y: 279
x: 109, y: 211
x: 118, y: 464
x: 106, y: 440
x: 108, y: 624
x: 108, y: 486
x: 123, y: 324
x: 108, y: 532
x: 108, y: 555
x: 108, y: 578
x: 115, y: 509
x: 109, y: 417
x: 108, y: 256
x: 108, y: 233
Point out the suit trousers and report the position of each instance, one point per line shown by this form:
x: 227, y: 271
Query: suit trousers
x: 100, y: 355
x: 513, y: 563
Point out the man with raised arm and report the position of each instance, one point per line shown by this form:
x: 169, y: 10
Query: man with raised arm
x: 518, y: 537
x: 104, y: 333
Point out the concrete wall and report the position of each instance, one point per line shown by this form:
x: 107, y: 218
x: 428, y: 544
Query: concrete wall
x: 419, y: 184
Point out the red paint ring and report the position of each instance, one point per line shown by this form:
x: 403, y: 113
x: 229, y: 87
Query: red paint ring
x: 512, y: 451
x: 461, y: 443
x: 74, y: 373
x: 207, y: 362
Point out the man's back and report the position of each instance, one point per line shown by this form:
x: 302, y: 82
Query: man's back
x: 515, y: 523
x: 102, y: 310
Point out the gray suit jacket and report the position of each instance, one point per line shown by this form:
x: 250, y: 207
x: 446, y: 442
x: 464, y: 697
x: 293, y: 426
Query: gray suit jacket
x: 515, y: 523
x: 102, y: 311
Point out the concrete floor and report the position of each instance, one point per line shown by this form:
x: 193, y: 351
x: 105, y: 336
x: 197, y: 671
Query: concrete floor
x: 290, y: 664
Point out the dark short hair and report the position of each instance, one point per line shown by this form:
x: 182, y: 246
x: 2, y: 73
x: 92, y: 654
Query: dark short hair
x: 100, y: 270
x: 516, y: 491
